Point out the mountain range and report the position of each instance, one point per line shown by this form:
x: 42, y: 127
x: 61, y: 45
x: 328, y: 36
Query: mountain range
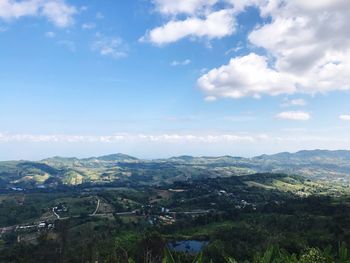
x: 327, y: 165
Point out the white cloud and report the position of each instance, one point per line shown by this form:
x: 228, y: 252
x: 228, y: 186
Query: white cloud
x: 311, y: 42
x: 15, y: 9
x: 171, y: 7
x: 245, y: 76
x: 307, y: 42
x: 169, y: 138
x: 196, y: 7
x: 152, y: 145
x: 294, y: 115
x: 240, y: 5
x: 57, y: 11
x: 52, y: 138
x: 293, y: 102
x: 279, y: 141
x: 195, y: 19
x: 344, y: 117
x: 215, y: 25
x: 210, y: 98
x: 88, y: 26
x: 110, y: 46
x: 181, y: 63
x: 234, y: 50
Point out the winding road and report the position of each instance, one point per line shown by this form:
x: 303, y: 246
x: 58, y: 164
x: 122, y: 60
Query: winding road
x: 97, y: 207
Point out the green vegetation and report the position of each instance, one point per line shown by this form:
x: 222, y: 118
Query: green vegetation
x: 182, y: 209
x: 124, y: 170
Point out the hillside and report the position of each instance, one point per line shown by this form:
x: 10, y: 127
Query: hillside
x: 325, y: 165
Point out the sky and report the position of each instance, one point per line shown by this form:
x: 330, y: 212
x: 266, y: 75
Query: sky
x: 159, y: 78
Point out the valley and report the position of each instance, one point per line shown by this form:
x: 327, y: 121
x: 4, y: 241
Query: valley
x: 125, y: 170
x: 121, y: 210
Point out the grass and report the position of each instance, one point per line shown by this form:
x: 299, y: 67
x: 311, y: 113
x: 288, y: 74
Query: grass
x: 202, y: 231
x: 260, y: 185
x: 77, y: 205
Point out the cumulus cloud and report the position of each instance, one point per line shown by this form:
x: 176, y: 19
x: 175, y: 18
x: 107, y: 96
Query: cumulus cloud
x: 311, y: 42
x: 294, y: 115
x: 110, y: 46
x: 245, y: 76
x: 197, y: 19
x: 16, y: 9
x: 307, y: 44
x: 215, y: 25
x: 180, y: 63
x: 58, y: 12
x: 344, y: 117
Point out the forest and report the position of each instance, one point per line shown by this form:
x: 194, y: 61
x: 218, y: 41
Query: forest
x: 253, y: 218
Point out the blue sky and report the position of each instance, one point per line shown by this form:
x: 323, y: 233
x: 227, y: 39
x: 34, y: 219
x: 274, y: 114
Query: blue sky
x: 157, y: 78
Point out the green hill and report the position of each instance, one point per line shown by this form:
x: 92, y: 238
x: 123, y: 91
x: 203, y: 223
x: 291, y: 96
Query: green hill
x: 333, y: 166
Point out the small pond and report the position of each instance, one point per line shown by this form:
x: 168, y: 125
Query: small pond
x: 187, y: 246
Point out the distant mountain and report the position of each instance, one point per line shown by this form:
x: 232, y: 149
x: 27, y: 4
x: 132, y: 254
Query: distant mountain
x: 308, y: 155
x: 321, y: 164
x: 60, y: 161
x: 317, y: 164
x: 119, y: 157
x: 182, y: 158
